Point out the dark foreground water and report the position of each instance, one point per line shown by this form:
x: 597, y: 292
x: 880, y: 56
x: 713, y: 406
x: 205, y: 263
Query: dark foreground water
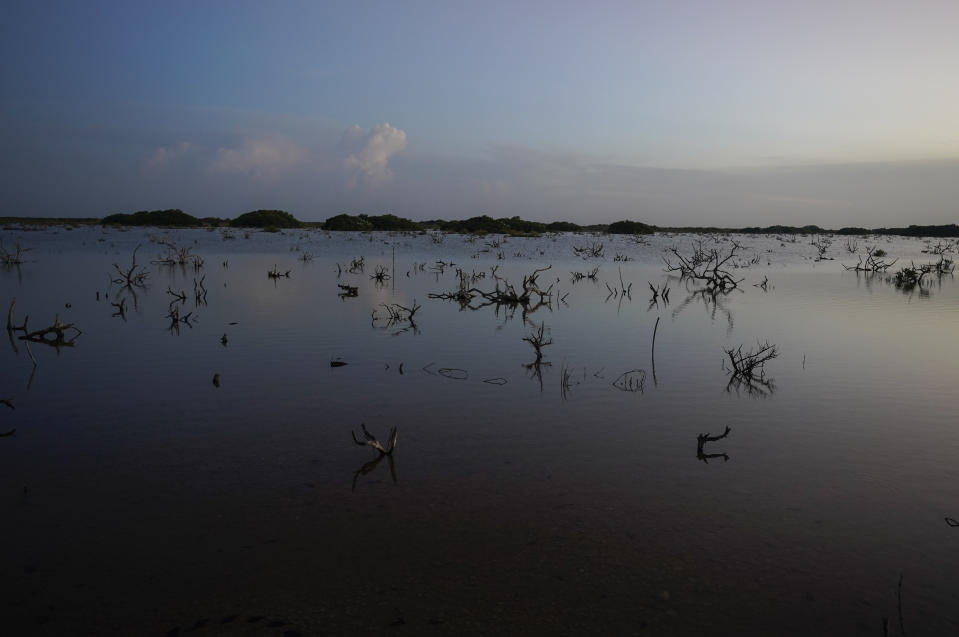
x: 137, y: 497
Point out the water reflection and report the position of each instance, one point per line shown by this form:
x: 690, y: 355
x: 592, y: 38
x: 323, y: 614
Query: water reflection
x: 701, y: 441
x: 370, y: 466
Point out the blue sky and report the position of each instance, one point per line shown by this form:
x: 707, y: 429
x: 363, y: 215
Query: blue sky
x: 685, y: 113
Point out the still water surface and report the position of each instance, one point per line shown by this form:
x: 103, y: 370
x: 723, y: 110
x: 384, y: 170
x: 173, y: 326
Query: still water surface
x: 138, y: 497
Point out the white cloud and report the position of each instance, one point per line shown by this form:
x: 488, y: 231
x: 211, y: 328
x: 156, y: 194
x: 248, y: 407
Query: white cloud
x: 369, y: 152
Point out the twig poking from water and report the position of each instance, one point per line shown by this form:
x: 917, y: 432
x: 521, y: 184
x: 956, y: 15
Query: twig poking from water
x: 657, y: 293
x: 371, y: 441
x: 652, y: 351
x: 134, y: 276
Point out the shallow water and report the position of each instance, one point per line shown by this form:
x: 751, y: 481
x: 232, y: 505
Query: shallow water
x: 140, y: 498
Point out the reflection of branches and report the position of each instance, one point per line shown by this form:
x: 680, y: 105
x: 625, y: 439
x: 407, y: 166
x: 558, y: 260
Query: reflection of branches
x: 712, y: 301
x: 702, y: 439
x: 535, y: 371
x: 566, y: 382
x: 8, y: 403
x: 176, y: 319
x: 753, y: 388
x: 371, y: 465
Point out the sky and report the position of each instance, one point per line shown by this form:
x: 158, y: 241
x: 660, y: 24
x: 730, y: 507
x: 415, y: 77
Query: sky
x: 682, y: 112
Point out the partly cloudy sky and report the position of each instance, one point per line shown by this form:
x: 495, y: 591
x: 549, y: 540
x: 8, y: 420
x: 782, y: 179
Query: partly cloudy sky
x: 695, y: 112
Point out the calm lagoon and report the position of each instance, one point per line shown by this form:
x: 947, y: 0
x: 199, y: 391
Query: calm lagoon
x: 140, y: 497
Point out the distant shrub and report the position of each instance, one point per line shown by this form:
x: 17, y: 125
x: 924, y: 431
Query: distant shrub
x: 476, y: 225
x: 266, y: 218
x: 563, y: 226
x: 879, y: 253
x: 630, y: 227
x: 172, y: 217
x: 348, y: 222
x: 390, y: 222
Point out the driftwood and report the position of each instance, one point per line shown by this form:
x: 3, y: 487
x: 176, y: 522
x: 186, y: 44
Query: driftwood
x: 371, y: 441
x: 58, y: 332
